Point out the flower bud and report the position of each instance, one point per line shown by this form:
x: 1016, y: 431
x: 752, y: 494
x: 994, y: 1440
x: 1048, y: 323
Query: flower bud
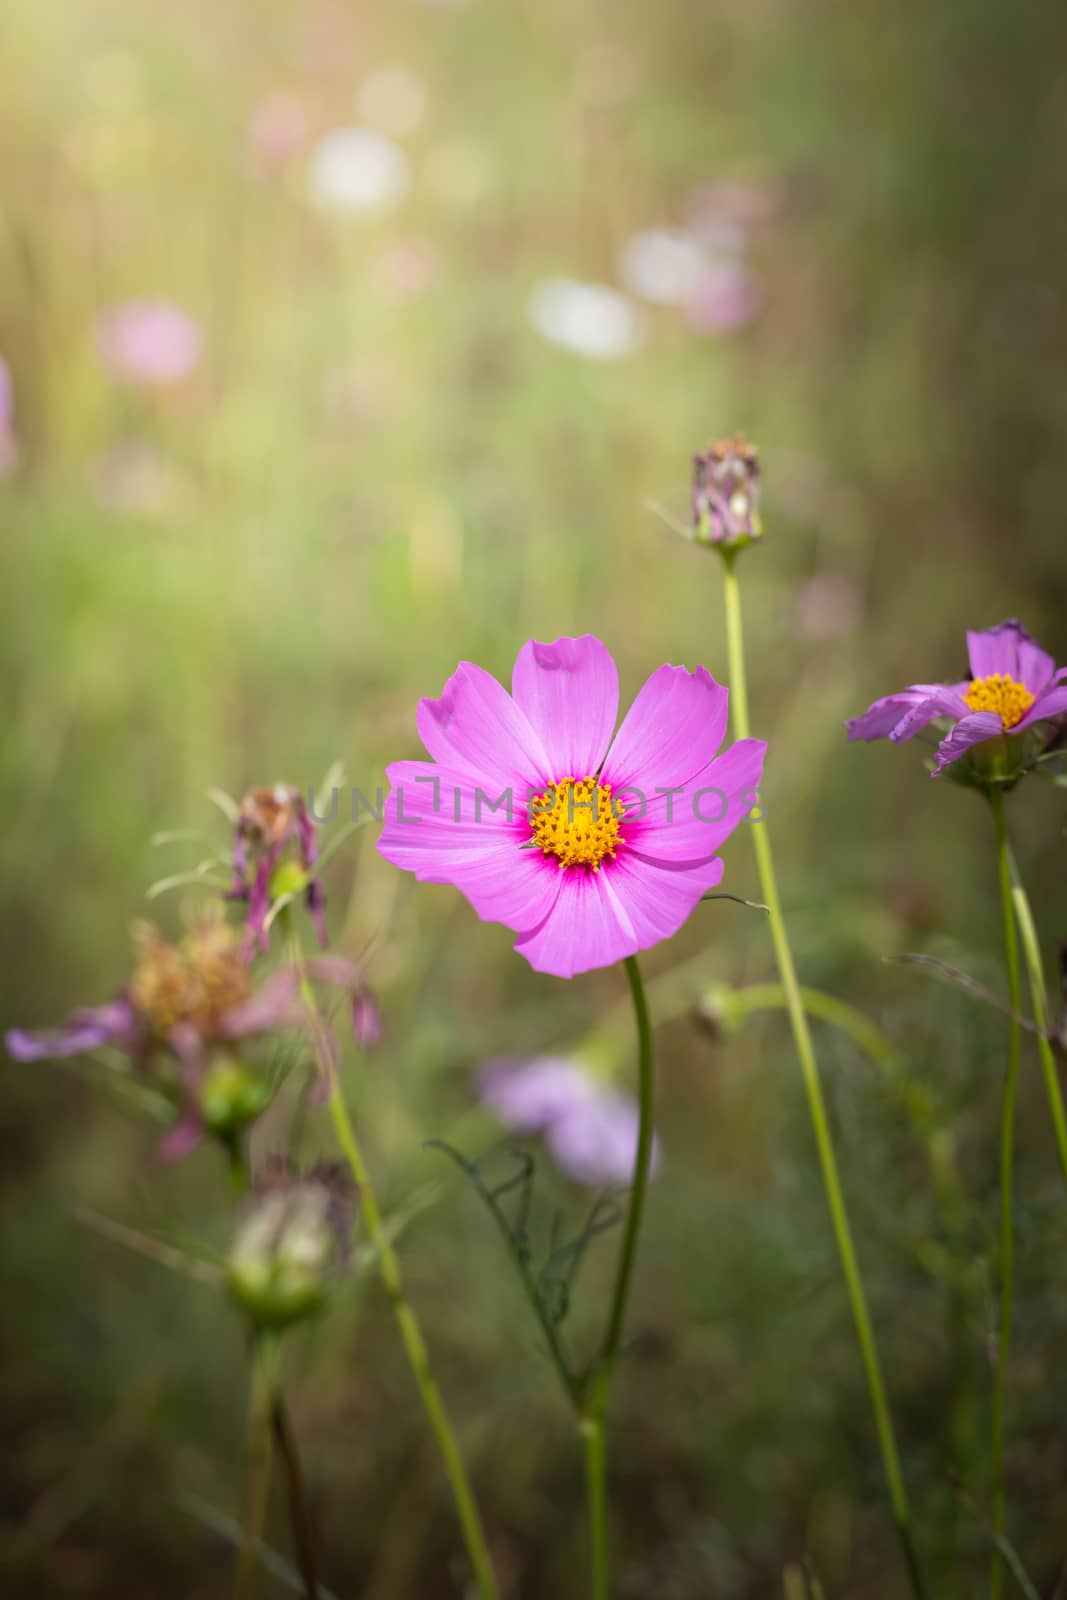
x: 291, y: 1243
x: 231, y: 1096
x: 726, y: 494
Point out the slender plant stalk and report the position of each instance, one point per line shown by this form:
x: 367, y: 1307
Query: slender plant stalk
x: 410, y: 1332
x: 296, y: 1489
x: 593, y: 1413
x: 257, y: 1490
x: 827, y: 1159
x: 1039, y: 998
x: 1007, y: 1184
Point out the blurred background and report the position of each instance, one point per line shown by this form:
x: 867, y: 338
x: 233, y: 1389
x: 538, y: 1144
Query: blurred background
x: 342, y: 342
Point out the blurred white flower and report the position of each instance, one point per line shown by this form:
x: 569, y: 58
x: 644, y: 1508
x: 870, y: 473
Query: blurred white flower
x: 356, y: 172
x: 588, y: 318
x: 662, y: 265
x: 393, y: 100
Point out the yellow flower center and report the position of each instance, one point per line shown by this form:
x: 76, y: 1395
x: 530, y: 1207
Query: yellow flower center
x: 1002, y: 694
x: 577, y: 821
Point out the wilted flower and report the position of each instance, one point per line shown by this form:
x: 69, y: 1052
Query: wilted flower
x: 590, y: 1128
x: 151, y: 342
x: 292, y: 1242
x: 587, y: 318
x: 8, y: 446
x: 590, y: 847
x: 1014, y: 685
x: 357, y: 171
x: 726, y: 493
x: 269, y: 822
x: 183, y: 1017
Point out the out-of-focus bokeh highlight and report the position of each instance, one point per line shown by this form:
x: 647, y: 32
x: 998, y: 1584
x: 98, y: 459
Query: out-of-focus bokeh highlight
x: 339, y: 343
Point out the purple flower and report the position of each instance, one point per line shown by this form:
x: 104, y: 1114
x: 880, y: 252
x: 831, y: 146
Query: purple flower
x: 726, y: 493
x: 8, y: 445
x: 589, y: 844
x: 590, y: 1128
x: 1013, y: 686
x: 151, y: 342
x: 268, y: 823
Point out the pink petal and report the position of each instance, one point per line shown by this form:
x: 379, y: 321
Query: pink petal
x: 657, y: 899
x: 1009, y: 649
x: 1051, y: 704
x: 972, y: 730
x: 586, y: 928
x: 940, y: 701
x: 569, y: 690
x: 433, y: 810
x: 509, y: 884
x: 671, y: 731
x: 477, y: 729
x: 689, y: 827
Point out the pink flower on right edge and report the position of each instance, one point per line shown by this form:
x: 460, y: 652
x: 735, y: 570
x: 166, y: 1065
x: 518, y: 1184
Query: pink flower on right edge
x: 1014, y: 685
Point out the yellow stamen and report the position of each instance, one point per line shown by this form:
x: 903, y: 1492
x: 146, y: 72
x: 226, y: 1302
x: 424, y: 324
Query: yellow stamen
x: 577, y: 821
x: 1001, y: 694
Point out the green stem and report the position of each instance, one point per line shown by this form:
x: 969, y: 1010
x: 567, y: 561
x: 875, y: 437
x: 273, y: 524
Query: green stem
x: 816, y: 1105
x: 594, y: 1410
x: 1039, y: 999
x: 410, y: 1332
x: 257, y: 1490
x: 296, y: 1489
x: 1007, y: 1180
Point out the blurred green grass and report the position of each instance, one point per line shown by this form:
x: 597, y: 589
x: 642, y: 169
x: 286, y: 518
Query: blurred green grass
x: 359, y: 489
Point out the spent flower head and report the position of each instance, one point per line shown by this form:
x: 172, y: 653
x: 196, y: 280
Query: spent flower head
x: 187, y: 1018
x: 275, y: 850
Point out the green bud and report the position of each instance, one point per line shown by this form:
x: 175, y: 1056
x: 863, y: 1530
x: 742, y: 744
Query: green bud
x: 231, y: 1096
x: 288, y: 1247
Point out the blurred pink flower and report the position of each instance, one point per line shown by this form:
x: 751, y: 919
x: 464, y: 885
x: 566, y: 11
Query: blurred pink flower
x: 277, y: 130
x: 589, y: 1127
x: 409, y: 268
x: 8, y: 446
x: 152, y: 342
x: 723, y: 298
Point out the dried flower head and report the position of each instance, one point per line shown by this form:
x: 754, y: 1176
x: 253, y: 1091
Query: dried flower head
x: 275, y: 848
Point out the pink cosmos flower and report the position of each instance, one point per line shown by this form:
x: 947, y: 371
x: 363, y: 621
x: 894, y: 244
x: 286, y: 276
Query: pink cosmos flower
x: 589, y: 847
x: 1013, y: 685
x: 589, y: 1127
x: 153, y: 342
